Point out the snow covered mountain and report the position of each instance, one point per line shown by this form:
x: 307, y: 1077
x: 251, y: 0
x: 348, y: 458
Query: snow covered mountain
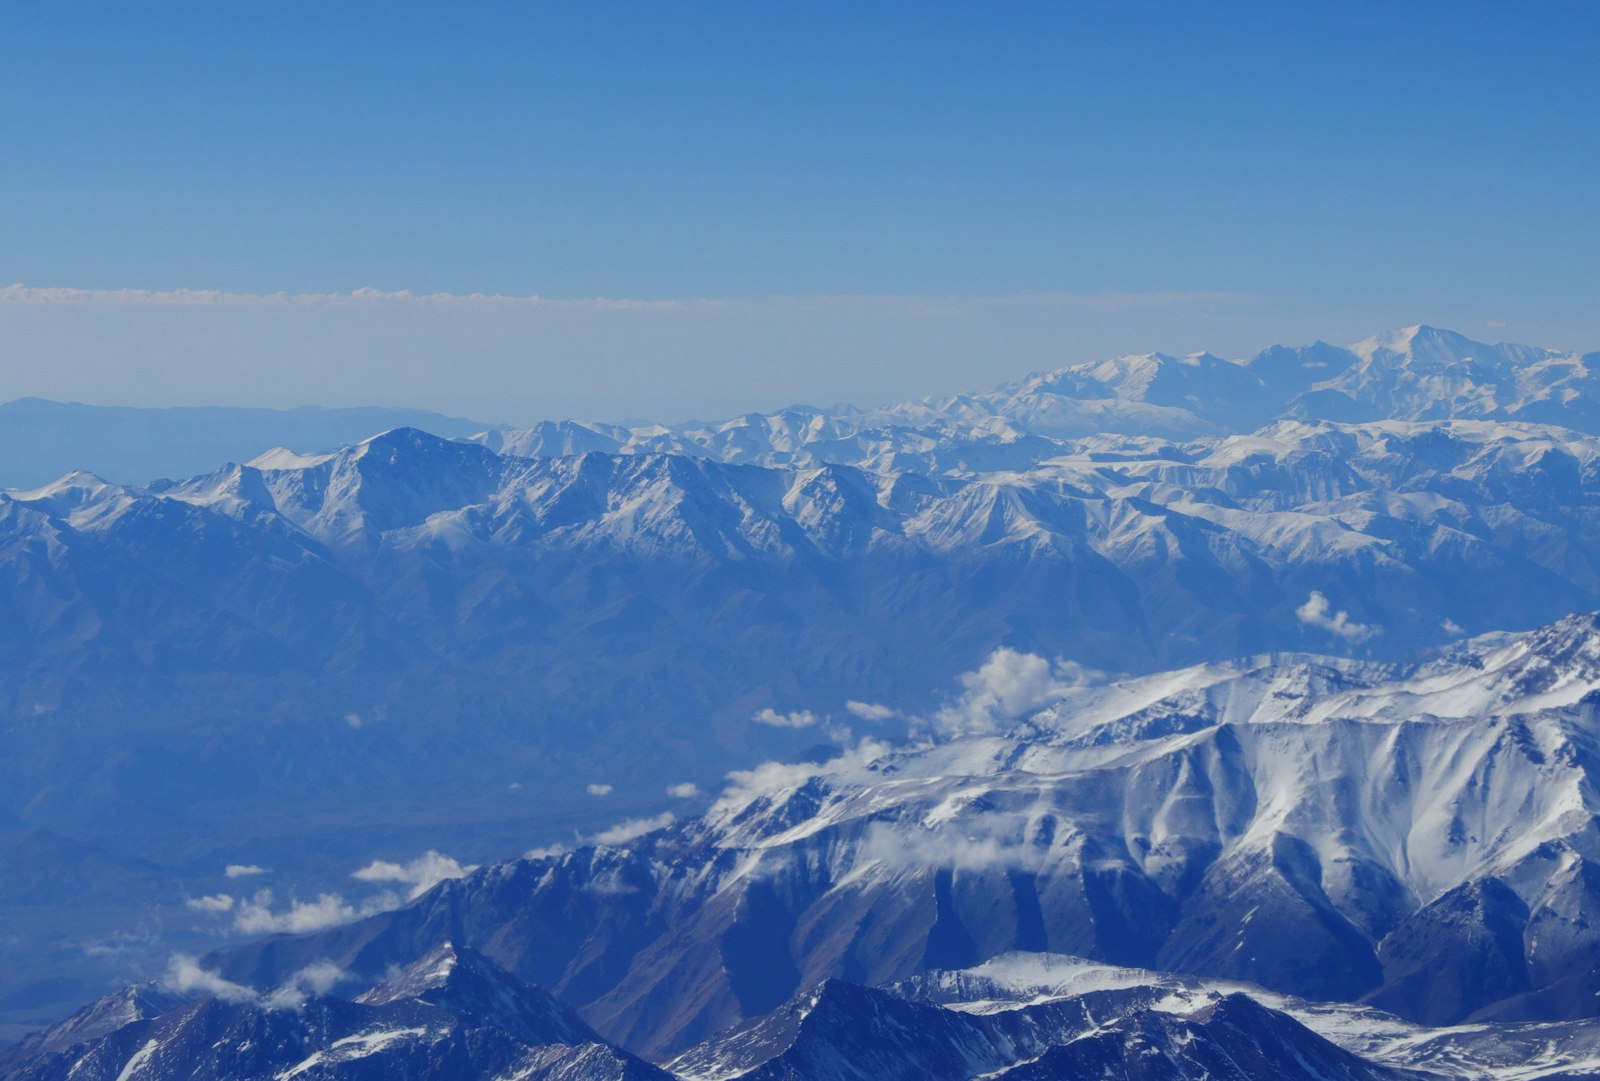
x: 847, y: 1033
x: 41, y: 440
x: 1483, y: 1052
x: 309, y: 661
x: 1418, y: 373
x: 1017, y: 1016
x: 450, y: 1014
x: 1423, y: 838
x: 410, y: 578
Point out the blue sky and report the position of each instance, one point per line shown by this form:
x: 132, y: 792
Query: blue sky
x: 1254, y: 172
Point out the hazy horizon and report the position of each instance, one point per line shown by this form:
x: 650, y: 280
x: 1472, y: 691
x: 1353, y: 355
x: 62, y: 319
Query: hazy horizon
x: 783, y: 204
x: 518, y: 360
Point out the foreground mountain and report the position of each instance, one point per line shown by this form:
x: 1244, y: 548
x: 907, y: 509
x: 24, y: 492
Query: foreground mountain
x: 1419, y: 837
x: 846, y: 1033
x: 450, y: 1014
x: 1481, y: 1051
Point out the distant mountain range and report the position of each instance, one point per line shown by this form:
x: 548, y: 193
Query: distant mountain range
x: 40, y: 440
x: 1420, y: 373
x: 481, y: 641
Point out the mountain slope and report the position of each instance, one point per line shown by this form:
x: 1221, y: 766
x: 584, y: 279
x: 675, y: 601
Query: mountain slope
x: 448, y: 1014
x: 1325, y: 828
x: 251, y: 612
x: 844, y: 1032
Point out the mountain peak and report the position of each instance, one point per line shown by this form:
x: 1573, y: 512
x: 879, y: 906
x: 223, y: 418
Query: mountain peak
x: 1421, y: 342
x: 465, y: 982
x: 284, y: 459
x: 442, y: 967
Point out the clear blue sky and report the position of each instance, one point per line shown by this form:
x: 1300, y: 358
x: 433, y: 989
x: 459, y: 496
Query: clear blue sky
x: 1343, y: 166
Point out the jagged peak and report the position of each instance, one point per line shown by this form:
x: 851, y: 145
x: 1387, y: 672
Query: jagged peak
x: 462, y: 980
x: 440, y: 967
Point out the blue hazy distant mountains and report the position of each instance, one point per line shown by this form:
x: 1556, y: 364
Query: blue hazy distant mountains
x: 1416, y: 374
x: 40, y: 440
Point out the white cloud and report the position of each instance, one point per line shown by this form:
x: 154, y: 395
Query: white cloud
x: 546, y: 852
x: 256, y: 916
x: 771, y: 779
x: 996, y: 843
x: 871, y: 711
x: 319, y: 977
x: 421, y: 874
x: 767, y: 779
x: 185, y: 976
x: 353, y: 720
x: 634, y: 828
x: 686, y: 790
x: 20, y: 293
x: 244, y: 870
x: 1452, y: 628
x: 772, y: 718
x: 1007, y: 685
x: 600, y: 790
x: 217, y: 902
x: 608, y: 883
x: 1316, y: 613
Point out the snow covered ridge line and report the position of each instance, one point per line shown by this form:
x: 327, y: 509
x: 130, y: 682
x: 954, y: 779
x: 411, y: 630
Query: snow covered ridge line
x: 448, y: 1014
x: 1419, y: 374
x: 452, y: 1013
x: 1419, y: 838
x: 1374, y: 537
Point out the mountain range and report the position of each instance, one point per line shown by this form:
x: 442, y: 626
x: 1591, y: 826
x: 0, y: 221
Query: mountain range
x: 1367, y: 870
x: 309, y: 662
x: 40, y: 439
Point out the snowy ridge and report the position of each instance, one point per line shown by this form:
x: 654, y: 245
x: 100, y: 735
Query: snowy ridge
x: 1480, y: 1052
x: 431, y: 1020
x: 1421, y: 837
x: 1419, y: 373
